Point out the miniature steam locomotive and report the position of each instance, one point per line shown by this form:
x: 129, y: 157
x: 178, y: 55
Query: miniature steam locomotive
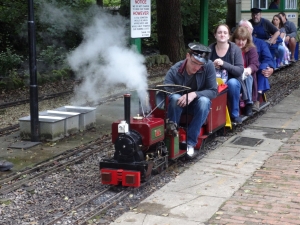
x: 145, y: 144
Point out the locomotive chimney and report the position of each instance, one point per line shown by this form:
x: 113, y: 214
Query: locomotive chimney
x: 127, y: 109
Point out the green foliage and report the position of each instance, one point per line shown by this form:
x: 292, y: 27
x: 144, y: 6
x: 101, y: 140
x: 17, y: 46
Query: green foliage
x: 109, y: 3
x: 8, y: 61
x: 52, y: 58
x: 190, y: 11
x: 61, y: 74
x: 12, y: 81
x: 217, y: 8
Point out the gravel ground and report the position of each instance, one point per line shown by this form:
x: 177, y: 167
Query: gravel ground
x: 59, y: 192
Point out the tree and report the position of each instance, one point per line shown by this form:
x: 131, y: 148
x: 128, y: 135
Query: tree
x: 100, y: 3
x: 169, y: 29
x: 231, y: 12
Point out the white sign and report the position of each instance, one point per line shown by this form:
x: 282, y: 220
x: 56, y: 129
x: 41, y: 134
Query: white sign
x: 291, y: 15
x: 140, y: 18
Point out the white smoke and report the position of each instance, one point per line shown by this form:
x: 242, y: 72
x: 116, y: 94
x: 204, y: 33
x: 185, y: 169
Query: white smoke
x: 105, y: 61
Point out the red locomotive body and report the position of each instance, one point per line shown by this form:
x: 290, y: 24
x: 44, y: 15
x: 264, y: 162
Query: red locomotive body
x: 152, y: 130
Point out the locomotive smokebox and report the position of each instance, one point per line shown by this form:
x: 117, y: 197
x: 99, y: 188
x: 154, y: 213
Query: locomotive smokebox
x: 127, y: 98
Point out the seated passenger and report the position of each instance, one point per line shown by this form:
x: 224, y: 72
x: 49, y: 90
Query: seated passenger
x: 228, y: 61
x: 198, y: 73
x: 243, y: 39
x: 280, y: 53
x: 265, y: 30
x: 266, y: 67
x: 291, y: 34
x: 274, y: 4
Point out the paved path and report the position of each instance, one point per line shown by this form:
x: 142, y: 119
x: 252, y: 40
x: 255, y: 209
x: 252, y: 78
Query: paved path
x: 271, y: 195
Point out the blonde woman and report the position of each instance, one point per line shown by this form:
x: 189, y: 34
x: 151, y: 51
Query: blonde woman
x: 243, y: 39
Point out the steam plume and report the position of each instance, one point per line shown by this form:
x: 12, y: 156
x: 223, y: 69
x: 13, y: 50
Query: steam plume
x: 105, y: 61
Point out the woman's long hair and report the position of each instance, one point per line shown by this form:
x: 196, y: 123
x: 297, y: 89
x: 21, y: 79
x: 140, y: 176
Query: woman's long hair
x: 243, y: 33
x: 280, y: 21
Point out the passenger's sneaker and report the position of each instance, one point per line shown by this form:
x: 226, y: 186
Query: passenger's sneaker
x: 255, y: 106
x: 5, y: 165
x: 237, y: 120
x: 190, y: 150
x: 248, y: 110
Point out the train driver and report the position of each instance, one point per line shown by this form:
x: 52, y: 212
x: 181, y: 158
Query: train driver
x: 198, y: 73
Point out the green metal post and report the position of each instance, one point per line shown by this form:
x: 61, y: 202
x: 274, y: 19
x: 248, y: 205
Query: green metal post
x: 281, y: 5
x: 138, y: 43
x: 203, y: 22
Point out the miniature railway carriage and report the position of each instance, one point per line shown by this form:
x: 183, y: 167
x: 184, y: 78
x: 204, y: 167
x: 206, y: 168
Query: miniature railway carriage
x: 144, y: 144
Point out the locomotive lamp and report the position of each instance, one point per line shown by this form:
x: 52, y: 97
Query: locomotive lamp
x: 123, y: 127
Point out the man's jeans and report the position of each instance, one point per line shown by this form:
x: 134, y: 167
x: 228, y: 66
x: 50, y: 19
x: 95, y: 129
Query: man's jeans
x: 199, y: 108
x: 234, y: 90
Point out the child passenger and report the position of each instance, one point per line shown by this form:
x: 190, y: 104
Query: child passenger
x: 243, y: 39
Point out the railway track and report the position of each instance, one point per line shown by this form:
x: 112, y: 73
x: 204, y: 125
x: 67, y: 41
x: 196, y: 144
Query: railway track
x: 91, y: 208
x: 13, y: 182
x: 41, y: 98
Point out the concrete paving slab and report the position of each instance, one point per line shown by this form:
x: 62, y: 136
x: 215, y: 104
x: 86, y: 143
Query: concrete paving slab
x: 212, y: 184
x: 24, y: 144
x: 295, y: 93
x: 199, y: 208
x: 292, y: 123
x: 132, y: 218
x: 228, y: 153
x: 230, y: 168
x: 284, y: 109
x: 269, y: 145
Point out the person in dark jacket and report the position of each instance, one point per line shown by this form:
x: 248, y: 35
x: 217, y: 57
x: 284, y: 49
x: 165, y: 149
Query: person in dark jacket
x: 243, y: 39
x: 198, y: 73
x: 228, y: 61
x: 263, y: 28
x: 274, y: 4
x: 266, y: 67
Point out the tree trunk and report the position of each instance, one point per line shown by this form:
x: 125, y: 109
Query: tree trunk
x: 100, y: 3
x: 125, y: 8
x: 231, y: 13
x: 169, y: 29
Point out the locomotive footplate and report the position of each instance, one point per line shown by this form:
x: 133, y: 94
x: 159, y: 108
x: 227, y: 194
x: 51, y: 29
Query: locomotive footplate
x: 129, y: 174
